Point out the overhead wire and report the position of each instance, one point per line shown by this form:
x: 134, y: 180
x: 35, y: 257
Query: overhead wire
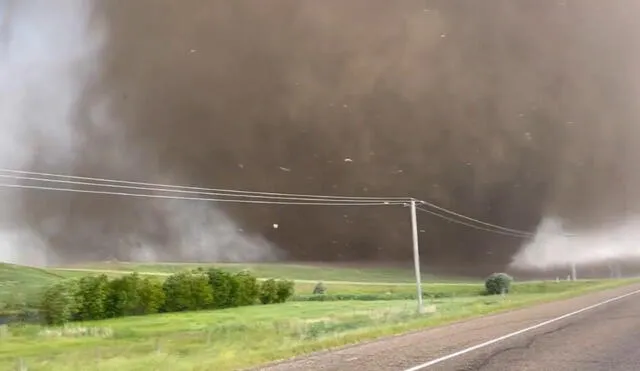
x: 208, y: 199
x: 451, y: 212
x: 232, y: 195
x: 207, y: 193
x: 192, y: 188
x: 522, y: 235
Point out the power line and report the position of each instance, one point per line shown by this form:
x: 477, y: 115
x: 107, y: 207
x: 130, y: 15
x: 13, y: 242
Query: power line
x: 295, y: 202
x: 522, y: 235
x: 505, y: 229
x: 497, y: 228
x: 292, y: 199
x: 191, y: 188
x: 317, y: 203
x: 217, y: 194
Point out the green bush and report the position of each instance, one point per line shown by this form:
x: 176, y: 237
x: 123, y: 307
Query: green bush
x: 185, y: 291
x: 58, y: 303
x: 222, y: 284
x: 319, y: 289
x: 268, y: 291
x: 91, y: 298
x: 285, y: 290
x: 123, y: 298
x: 244, y: 289
x: 498, y: 283
x: 132, y: 295
x: 152, y: 296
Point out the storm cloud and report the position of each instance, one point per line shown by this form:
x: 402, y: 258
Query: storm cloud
x: 506, y: 111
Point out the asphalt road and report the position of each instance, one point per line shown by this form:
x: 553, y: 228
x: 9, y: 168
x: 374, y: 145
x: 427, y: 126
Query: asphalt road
x: 606, y: 337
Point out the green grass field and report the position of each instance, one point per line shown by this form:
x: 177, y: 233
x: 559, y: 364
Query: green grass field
x: 33, y: 280
x: 242, y: 337
x: 19, y: 284
x: 23, y: 284
x: 298, y: 272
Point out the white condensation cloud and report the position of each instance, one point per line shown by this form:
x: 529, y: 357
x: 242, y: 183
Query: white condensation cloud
x: 48, y: 52
x: 554, y: 247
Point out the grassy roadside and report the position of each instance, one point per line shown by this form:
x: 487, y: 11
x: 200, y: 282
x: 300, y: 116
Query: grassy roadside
x: 242, y: 337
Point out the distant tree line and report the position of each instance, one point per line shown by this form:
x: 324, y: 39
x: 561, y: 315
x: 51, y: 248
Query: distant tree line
x: 98, y: 297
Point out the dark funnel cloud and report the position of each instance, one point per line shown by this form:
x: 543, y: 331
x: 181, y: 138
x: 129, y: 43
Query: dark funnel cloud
x: 508, y: 111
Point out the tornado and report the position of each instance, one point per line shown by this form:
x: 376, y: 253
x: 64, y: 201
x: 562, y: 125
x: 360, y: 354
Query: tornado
x: 520, y: 114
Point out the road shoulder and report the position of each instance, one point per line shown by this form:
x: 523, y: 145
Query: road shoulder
x: 410, y: 349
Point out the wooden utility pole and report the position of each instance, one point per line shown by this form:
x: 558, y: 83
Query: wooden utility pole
x: 5, y: 30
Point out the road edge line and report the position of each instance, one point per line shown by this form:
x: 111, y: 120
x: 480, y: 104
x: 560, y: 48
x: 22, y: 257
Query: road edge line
x: 516, y: 333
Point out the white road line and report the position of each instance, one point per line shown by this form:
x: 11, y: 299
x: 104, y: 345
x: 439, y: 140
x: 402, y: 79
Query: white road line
x: 516, y: 333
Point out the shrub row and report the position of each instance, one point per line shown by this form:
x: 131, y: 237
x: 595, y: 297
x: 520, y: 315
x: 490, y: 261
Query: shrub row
x: 98, y: 297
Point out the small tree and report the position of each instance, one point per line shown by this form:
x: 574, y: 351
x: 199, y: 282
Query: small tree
x: 58, y: 303
x: 222, y: 285
x: 91, y: 298
x: 132, y: 295
x: 123, y: 298
x: 498, y: 283
x: 285, y: 290
x: 245, y: 289
x: 268, y: 291
x: 152, y: 296
x: 187, y: 291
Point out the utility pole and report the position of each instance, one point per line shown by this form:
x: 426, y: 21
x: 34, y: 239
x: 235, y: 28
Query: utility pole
x: 4, y: 23
x: 416, y: 255
x: 6, y: 19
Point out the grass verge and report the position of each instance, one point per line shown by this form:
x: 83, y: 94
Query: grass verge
x: 243, y: 337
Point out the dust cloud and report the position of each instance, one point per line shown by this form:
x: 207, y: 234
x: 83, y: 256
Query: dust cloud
x: 51, y: 54
x: 505, y: 111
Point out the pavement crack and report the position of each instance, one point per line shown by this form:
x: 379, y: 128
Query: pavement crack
x: 502, y: 351
x: 623, y: 317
